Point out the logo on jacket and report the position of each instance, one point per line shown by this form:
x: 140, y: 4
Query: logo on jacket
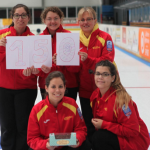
x: 68, y: 117
x: 109, y: 45
x: 96, y: 47
x: 47, y: 121
x: 79, y: 112
x: 127, y: 111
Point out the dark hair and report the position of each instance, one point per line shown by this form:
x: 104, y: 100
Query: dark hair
x: 122, y: 96
x: 52, y: 75
x: 14, y: 9
x: 52, y: 9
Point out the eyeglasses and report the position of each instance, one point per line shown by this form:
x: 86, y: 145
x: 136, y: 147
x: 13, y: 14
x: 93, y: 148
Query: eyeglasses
x: 23, y: 16
x: 104, y: 74
x: 50, y: 19
x: 87, y: 20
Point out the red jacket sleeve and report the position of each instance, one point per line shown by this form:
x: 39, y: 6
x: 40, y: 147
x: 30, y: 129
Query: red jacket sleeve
x: 79, y: 127
x: 2, y: 53
x: 90, y: 62
x: 34, y: 138
x: 127, y: 124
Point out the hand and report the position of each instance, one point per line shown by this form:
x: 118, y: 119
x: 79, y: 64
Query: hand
x: 45, y: 69
x: 97, y: 123
x: 27, y: 72
x: 75, y: 146
x: 54, y: 58
x: 50, y: 147
x: 83, y: 56
x: 34, y: 70
x: 3, y: 42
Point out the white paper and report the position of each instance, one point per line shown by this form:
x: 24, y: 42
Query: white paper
x: 67, y: 49
x: 27, y: 51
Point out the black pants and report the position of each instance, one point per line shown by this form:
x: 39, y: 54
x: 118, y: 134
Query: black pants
x: 70, y: 92
x: 15, y: 107
x: 105, y: 140
x: 87, y: 115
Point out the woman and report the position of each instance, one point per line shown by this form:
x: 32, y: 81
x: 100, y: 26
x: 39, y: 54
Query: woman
x: 17, y: 92
x: 60, y: 114
x: 116, y: 118
x: 95, y: 45
x: 53, y: 17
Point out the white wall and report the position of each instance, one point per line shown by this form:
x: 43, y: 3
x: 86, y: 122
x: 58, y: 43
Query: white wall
x: 72, y: 3
x: 29, y: 3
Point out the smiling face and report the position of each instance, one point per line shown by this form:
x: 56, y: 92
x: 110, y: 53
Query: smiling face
x: 103, y: 82
x: 55, y: 90
x: 20, y: 23
x: 87, y: 23
x: 52, y: 21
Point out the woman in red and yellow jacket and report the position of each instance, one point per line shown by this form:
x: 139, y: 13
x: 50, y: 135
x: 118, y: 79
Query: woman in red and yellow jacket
x: 52, y: 17
x: 95, y: 45
x: 17, y: 92
x: 55, y: 114
x: 116, y: 118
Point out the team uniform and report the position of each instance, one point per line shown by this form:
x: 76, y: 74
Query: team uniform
x: 17, y: 97
x: 98, y: 46
x: 126, y: 123
x: 71, y: 78
x: 45, y: 119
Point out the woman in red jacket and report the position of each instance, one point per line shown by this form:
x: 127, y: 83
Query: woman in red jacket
x: 95, y: 45
x: 53, y: 17
x: 56, y: 114
x: 116, y: 118
x: 17, y: 92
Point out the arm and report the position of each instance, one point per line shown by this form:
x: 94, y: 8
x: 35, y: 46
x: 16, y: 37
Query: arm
x: 34, y: 137
x: 79, y: 127
x: 2, y: 49
x: 107, y: 53
x: 126, y: 126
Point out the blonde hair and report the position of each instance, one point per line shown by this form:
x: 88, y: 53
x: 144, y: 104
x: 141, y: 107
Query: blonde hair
x: 90, y: 10
x: 52, y: 9
x: 122, y: 97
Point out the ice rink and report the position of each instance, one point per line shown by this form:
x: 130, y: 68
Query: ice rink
x: 135, y: 77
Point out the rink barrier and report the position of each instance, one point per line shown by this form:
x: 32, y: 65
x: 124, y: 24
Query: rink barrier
x: 134, y: 40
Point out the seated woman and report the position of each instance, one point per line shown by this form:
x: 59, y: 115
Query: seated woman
x: 56, y: 114
x: 116, y: 118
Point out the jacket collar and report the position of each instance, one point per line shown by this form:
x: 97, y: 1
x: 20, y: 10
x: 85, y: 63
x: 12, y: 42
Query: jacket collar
x: 106, y: 96
x: 14, y: 33
x: 50, y: 105
x: 46, y: 31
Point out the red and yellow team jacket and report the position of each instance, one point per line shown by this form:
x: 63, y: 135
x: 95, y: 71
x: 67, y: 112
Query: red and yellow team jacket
x: 14, y: 78
x: 99, y: 47
x: 70, y: 77
x: 125, y: 123
x: 45, y: 119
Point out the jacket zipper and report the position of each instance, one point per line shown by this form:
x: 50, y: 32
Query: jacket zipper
x: 58, y: 119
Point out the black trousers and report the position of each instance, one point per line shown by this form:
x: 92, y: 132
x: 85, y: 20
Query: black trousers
x: 70, y: 92
x: 87, y: 115
x: 15, y: 107
x: 105, y: 140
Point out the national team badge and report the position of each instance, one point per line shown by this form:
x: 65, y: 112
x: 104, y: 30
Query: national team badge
x: 127, y: 111
x: 79, y: 112
x: 109, y: 45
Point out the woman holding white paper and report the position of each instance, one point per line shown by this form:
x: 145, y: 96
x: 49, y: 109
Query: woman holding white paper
x: 95, y: 45
x: 53, y: 17
x: 17, y: 92
x: 56, y: 114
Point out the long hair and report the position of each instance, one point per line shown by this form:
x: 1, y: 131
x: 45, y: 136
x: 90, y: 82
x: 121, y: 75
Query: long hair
x: 122, y: 97
x: 14, y: 9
